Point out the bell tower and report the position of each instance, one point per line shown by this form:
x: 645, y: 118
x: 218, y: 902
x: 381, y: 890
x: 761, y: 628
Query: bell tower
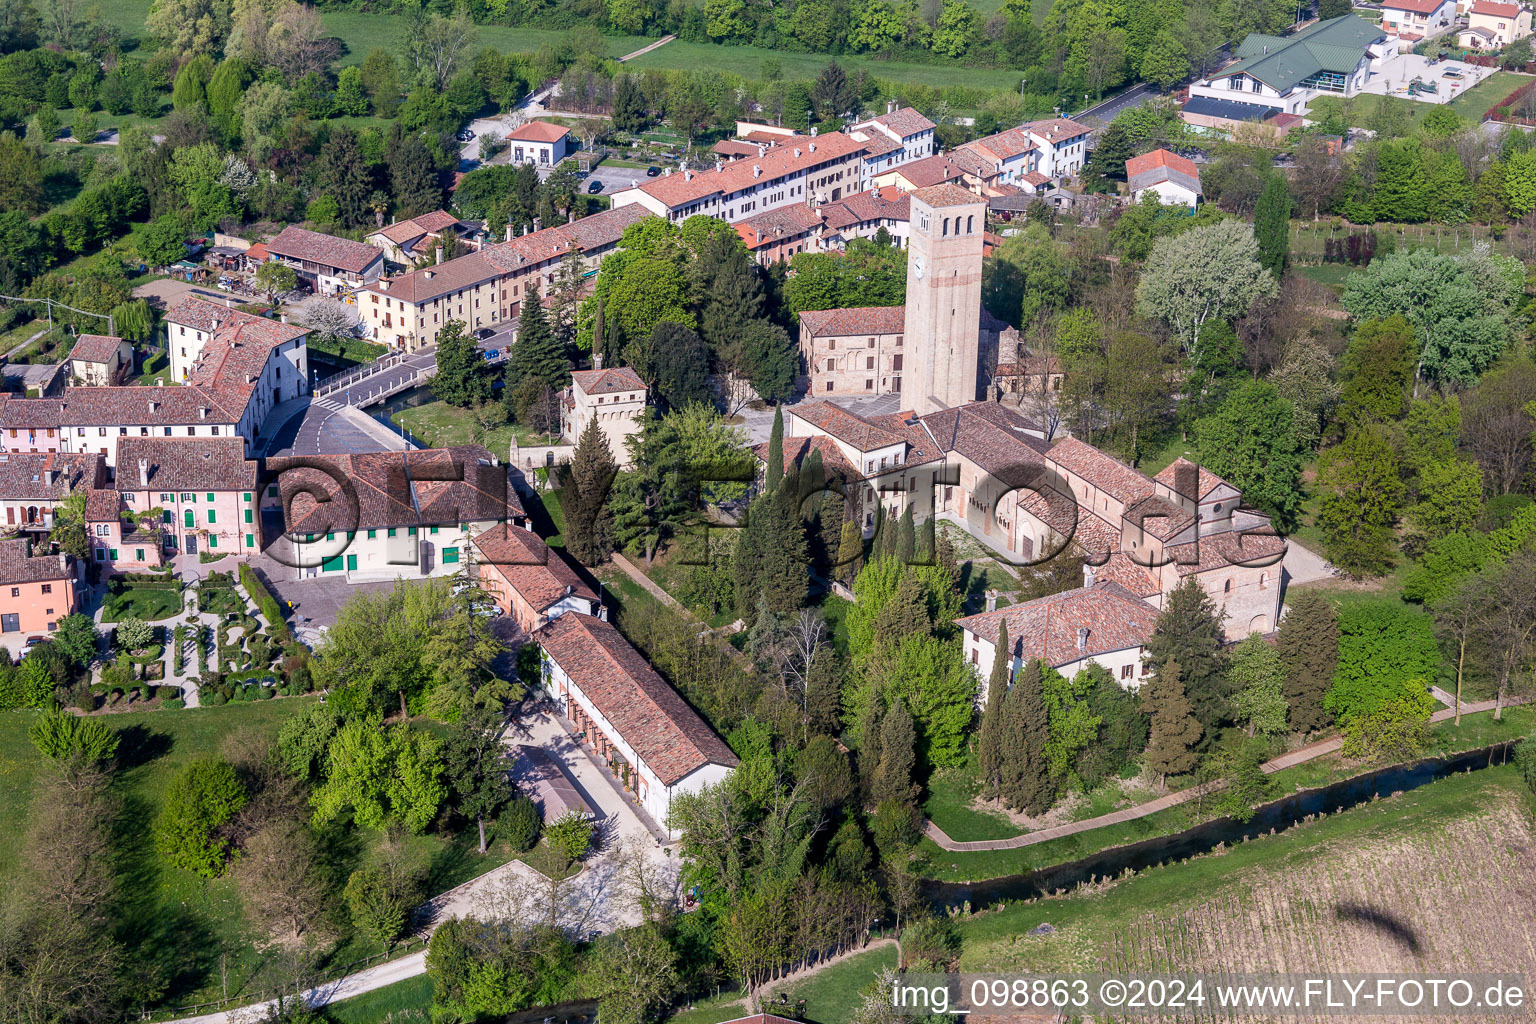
x: 943, y: 317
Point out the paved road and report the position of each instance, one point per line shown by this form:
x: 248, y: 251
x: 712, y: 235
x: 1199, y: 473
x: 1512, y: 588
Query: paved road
x: 1298, y: 756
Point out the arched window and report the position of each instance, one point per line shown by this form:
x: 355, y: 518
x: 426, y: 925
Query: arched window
x: 970, y: 225
x: 1227, y: 588
x: 946, y: 225
x: 1263, y: 580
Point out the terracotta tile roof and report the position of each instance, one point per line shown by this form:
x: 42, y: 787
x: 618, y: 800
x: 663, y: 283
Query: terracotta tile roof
x: 974, y: 162
x: 905, y: 122
x: 649, y: 716
x: 1163, y: 519
x: 184, y: 464
x: 844, y: 425
x: 540, y: 575
x: 444, y: 278
x: 996, y: 439
x: 430, y: 487
x: 402, y: 231
x: 1095, y: 536
x: 31, y: 413
x: 1133, y: 577
x: 18, y: 565
x: 1035, y: 178
x: 929, y: 171
x: 921, y: 447
x: 771, y: 225
x: 296, y: 243
x: 947, y: 195
x: 855, y: 320
x: 1218, y: 550
x: 1416, y: 6
x: 47, y: 476
x: 539, y: 131
x: 102, y: 505
x: 131, y: 406
x: 1209, y: 481
x: 888, y: 203
x: 1029, y: 366
x: 734, y: 148
x: 876, y: 144
x: 608, y: 380
x: 1048, y: 627
x: 257, y: 253
x: 95, y: 348
x: 1160, y: 165
x: 436, y: 221
x: 1496, y: 10
x: 1109, y: 475
x: 1056, y: 129
x: 797, y: 449
x: 791, y: 156
x: 1005, y: 145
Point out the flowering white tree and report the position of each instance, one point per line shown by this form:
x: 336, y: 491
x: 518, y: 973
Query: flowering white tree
x: 1203, y: 274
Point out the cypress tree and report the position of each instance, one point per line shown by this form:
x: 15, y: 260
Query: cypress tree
x: 1189, y: 631
x: 1175, y: 730
x: 770, y: 554
x: 1025, y: 779
x: 898, y: 756
x: 413, y: 178
x: 536, y: 354
x: 989, y: 744
x: 1308, y: 645
x: 905, y: 614
x: 927, y: 543
x: 343, y: 174
x: 906, y: 538
x: 776, y: 450
x: 1272, y: 226
x: 588, y: 522
x: 850, y: 552
x: 869, y: 749
x: 615, y: 344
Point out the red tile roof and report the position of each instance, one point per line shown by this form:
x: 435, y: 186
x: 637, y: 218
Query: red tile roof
x: 1209, y: 481
x: 102, y: 505
x: 1161, y: 158
x: 947, y: 195
x: 608, y: 380
x: 184, y: 464
x: 996, y: 439
x: 855, y: 320
x: 1048, y: 628
x: 844, y: 425
x: 1496, y: 10
x: 95, y: 348
x: 1109, y: 475
x: 649, y: 716
x: 540, y: 575
x: 930, y: 170
x: 1121, y: 569
x: 296, y: 243
x: 734, y: 148
x: 888, y: 203
x: 1159, y: 517
x: 539, y: 131
x: 1055, y: 129
x: 1218, y: 550
x: 430, y: 487
x: 18, y: 565
x: 791, y: 156
x: 47, y: 476
x: 905, y: 122
x: 772, y: 225
x: 797, y: 449
x: 1416, y: 6
x: 1005, y: 145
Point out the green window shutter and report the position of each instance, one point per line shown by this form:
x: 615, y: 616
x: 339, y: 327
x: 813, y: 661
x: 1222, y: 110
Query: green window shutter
x: 247, y: 495
x: 411, y: 530
x: 391, y: 531
x: 187, y: 521
x: 211, y: 517
x: 450, y: 555
x: 248, y: 515
x: 272, y: 491
x: 112, y: 554
x: 213, y: 540
x: 250, y: 540
x: 329, y: 535
x: 167, y: 516
x: 309, y: 538
x: 433, y: 531
x: 351, y: 563
x: 210, y: 495
x: 372, y: 534
x: 332, y: 564
x: 138, y: 554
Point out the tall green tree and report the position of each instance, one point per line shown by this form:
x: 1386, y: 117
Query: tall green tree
x: 1257, y: 678
x: 894, y: 776
x: 461, y: 379
x: 1272, y: 226
x: 1205, y: 272
x: 1378, y: 370
x: 771, y: 558
x: 1188, y: 631
x: 343, y: 173
x: 989, y: 740
x: 1363, y: 499
x: 536, y: 355
x: 1175, y: 730
x: 1251, y: 441
x: 775, y: 471
x: 1025, y: 781
x: 1308, y: 647
x: 199, y: 801
x: 589, y: 522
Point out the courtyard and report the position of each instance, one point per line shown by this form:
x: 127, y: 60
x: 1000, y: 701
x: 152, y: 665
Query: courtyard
x: 1450, y: 78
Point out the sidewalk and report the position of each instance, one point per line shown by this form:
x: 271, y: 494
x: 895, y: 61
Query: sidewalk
x: 1300, y: 755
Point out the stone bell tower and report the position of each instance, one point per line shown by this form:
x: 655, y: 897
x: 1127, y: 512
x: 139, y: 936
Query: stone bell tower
x: 943, y: 318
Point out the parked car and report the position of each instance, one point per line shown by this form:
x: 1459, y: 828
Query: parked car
x: 652, y: 171
x: 594, y: 188
x: 33, y: 641
x: 485, y: 332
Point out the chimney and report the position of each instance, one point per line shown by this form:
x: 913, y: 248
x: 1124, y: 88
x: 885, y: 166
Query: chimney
x: 597, y: 360
x: 154, y: 406
x: 757, y: 171
x: 202, y: 413
x: 718, y: 164
x: 427, y: 274
x: 813, y: 131
x: 602, y: 609
x: 53, y: 477
x: 890, y: 106
x: 282, y: 317
x: 509, y: 229
x: 991, y: 600
x: 215, y: 324
x: 159, y: 382
x: 538, y: 223
x: 761, y: 149
x: 797, y: 152
x: 812, y: 145
x: 439, y: 251
x: 687, y: 174
x: 1082, y: 638
x: 1090, y: 574
x: 384, y: 284
x: 144, y: 473
x: 63, y: 561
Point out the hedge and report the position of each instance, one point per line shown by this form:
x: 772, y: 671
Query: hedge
x: 264, y: 600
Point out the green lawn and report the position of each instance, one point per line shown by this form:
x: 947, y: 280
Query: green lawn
x: 832, y: 995
x: 142, y: 601
x: 950, y: 792
x: 20, y: 333
x: 439, y: 424
x: 372, y: 1007
x: 362, y: 31
x: 1329, y: 275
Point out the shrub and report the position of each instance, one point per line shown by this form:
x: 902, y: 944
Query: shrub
x: 1525, y: 761
x: 214, y: 699
x: 201, y: 798
x: 173, y: 702
x: 519, y: 824
x: 85, y: 700
x: 134, y: 635
x: 265, y: 601
x: 570, y: 835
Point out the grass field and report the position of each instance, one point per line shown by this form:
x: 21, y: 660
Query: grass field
x: 406, y: 1000
x: 1317, y: 896
x: 361, y: 32
x: 142, y: 601
x: 439, y: 424
x: 747, y: 60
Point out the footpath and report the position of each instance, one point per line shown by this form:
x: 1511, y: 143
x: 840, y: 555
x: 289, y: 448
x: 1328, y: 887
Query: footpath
x: 1300, y: 755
